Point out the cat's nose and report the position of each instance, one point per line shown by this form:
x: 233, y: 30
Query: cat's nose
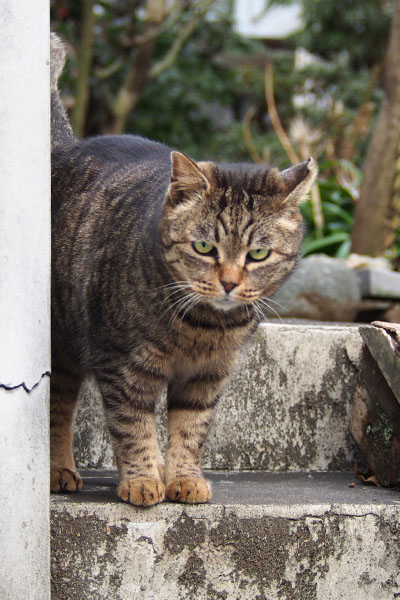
x: 228, y: 285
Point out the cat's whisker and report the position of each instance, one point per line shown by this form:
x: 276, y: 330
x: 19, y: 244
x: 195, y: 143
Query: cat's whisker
x: 259, y: 311
x: 182, y: 299
x: 180, y: 290
x: 171, y: 284
x: 179, y: 305
x: 266, y: 306
x: 172, y: 305
x: 275, y: 302
x: 191, y: 304
x: 247, y: 311
x: 177, y: 291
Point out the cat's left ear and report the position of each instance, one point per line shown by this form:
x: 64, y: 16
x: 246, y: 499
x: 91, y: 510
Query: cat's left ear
x: 186, y: 177
x: 298, y: 180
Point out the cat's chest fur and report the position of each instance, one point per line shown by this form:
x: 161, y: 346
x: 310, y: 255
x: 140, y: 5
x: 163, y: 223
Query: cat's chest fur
x: 198, y: 350
x: 185, y: 351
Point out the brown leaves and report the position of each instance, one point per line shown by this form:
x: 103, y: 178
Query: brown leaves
x: 367, y: 478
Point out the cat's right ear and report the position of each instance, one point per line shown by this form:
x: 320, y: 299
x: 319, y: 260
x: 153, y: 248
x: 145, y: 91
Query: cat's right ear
x: 186, y: 178
x: 298, y: 180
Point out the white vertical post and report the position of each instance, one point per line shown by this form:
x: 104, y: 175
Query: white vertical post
x: 24, y: 299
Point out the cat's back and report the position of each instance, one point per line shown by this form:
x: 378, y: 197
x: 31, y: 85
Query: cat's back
x: 125, y: 150
x: 119, y: 164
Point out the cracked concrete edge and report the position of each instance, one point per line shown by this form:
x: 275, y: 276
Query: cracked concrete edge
x: 120, y: 513
x: 23, y: 385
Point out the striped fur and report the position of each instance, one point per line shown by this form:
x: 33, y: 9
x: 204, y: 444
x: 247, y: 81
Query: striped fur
x: 137, y: 306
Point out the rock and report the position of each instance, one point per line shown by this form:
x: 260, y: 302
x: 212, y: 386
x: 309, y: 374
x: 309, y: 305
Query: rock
x: 321, y: 289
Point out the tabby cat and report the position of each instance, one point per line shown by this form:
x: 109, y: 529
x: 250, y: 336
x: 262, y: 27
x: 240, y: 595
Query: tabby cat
x: 160, y: 265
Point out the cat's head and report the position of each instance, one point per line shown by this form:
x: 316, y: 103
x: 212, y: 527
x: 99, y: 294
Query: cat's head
x: 231, y: 234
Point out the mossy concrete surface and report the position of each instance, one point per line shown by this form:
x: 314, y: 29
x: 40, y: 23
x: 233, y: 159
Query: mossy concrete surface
x: 286, y: 408
x: 312, y: 538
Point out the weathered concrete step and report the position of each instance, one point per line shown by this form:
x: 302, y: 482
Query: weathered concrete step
x: 296, y: 536
x: 286, y: 408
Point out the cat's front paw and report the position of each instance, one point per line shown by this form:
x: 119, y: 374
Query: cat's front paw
x: 192, y: 490
x: 64, y: 480
x: 141, y: 491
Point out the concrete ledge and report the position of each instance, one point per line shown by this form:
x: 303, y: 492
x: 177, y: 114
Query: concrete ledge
x: 286, y: 408
x: 275, y: 536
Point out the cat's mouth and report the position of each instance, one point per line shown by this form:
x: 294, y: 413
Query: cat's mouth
x: 221, y: 301
x: 225, y: 303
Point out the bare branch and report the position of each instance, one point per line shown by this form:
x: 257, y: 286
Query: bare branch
x: 138, y: 75
x: 247, y: 137
x: 170, y: 57
x: 172, y: 16
x: 273, y: 114
x: 103, y: 73
x: 142, y: 71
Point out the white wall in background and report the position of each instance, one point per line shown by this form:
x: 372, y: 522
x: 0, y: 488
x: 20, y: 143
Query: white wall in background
x: 277, y: 22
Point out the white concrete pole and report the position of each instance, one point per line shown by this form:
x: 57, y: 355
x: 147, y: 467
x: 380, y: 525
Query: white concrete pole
x: 24, y: 299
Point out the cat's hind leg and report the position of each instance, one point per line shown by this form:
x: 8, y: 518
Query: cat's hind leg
x: 64, y: 388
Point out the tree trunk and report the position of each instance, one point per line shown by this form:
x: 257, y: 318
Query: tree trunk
x: 84, y: 64
x: 380, y: 164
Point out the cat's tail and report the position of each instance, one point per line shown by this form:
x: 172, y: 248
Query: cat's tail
x: 61, y: 132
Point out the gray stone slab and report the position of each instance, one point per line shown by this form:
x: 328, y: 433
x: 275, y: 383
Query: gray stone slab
x: 285, y: 409
x: 334, y: 543
x: 322, y: 288
x: 379, y: 283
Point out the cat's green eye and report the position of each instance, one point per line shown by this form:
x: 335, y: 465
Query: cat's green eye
x: 203, y: 247
x: 258, y: 254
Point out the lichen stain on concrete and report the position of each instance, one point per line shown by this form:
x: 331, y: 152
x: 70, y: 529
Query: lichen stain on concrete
x: 193, y: 576
x: 213, y: 594
x: 229, y: 556
x: 185, y: 533
x: 259, y: 547
x: 90, y: 545
x: 262, y: 552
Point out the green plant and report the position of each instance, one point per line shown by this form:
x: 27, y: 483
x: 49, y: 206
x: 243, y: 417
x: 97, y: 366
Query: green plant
x: 338, y: 194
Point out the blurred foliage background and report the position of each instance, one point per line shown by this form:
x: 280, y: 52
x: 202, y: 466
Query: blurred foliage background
x: 178, y: 72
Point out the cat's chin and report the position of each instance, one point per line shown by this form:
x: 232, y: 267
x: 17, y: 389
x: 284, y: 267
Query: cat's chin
x: 225, y: 304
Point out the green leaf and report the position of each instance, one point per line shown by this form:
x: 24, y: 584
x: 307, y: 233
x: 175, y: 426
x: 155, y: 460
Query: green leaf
x: 333, y: 209
x: 344, y: 249
x: 310, y: 246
